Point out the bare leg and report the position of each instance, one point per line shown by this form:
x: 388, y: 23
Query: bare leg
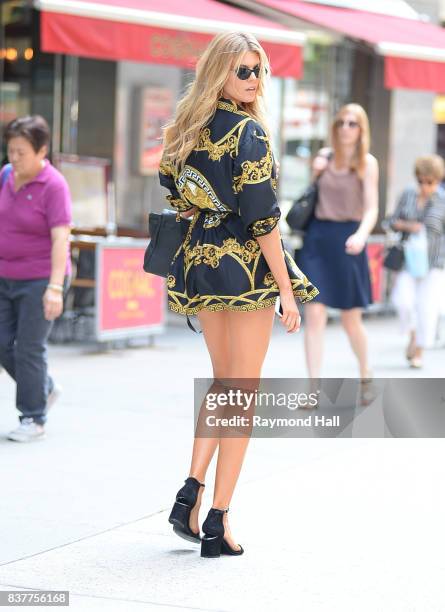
x: 315, y: 318
x: 353, y: 325
x: 215, y: 330
x: 250, y: 334
x: 411, y: 348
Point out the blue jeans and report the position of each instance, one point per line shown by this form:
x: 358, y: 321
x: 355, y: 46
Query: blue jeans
x: 23, y: 337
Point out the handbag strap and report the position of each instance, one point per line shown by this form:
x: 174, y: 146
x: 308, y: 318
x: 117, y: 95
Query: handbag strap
x: 190, y: 324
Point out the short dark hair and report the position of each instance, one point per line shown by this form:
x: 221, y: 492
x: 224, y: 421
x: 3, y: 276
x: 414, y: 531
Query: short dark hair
x: 34, y: 128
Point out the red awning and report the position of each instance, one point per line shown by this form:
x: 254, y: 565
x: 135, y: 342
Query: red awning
x: 414, y: 50
x: 171, y: 32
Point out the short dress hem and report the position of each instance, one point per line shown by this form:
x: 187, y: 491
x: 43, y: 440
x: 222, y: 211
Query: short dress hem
x: 219, y: 304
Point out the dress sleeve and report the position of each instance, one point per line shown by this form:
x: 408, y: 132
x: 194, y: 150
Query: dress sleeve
x: 254, y: 181
x: 166, y: 178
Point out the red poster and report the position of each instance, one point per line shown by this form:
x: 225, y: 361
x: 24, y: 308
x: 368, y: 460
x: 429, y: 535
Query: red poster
x: 130, y: 301
x: 375, y: 258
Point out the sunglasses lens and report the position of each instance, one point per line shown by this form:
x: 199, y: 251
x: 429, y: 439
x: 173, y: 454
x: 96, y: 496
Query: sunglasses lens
x: 349, y: 124
x: 243, y: 73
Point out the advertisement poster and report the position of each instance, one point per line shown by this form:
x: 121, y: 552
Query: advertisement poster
x: 156, y: 110
x: 130, y: 302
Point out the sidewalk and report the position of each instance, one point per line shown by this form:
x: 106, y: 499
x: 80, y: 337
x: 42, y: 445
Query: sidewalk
x: 327, y: 524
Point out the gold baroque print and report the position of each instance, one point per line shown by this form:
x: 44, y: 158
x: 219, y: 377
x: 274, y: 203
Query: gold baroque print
x: 254, y: 171
x: 263, y: 226
x: 253, y: 300
x: 179, y: 204
x: 196, y: 189
x: 213, y: 219
x: 269, y: 280
x: 166, y: 168
x: 171, y: 281
x: 217, y: 149
x: 232, y: 108
x: 211, y: 254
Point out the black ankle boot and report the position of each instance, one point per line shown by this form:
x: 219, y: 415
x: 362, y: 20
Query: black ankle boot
x: 213, y: 543
x: 180, y: 515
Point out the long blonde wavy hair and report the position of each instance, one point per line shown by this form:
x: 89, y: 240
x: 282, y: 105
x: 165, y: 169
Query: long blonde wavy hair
x: 199, y: 103
x: 358, y: 162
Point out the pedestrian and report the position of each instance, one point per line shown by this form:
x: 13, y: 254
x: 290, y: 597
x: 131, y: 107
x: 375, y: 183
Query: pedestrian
x: 231, y: 267
x: 334, y: 249
x: 35, y: 217
x: 419, y: 286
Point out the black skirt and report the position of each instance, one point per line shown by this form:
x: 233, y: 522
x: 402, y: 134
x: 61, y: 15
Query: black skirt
x: 342, y: 280
x: 219, y: 266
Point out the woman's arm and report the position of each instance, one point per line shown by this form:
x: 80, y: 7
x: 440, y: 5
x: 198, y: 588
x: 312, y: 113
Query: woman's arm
x: 270, y: 245
x: 53, y: 297
x: 356, y: 243
x: 398, y: 223
x: 320, y: 162
x: 401, y: 225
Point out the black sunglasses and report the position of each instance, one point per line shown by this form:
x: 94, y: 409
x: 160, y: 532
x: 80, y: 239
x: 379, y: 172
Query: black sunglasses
x: 349, y: 124
x: 244, y: 72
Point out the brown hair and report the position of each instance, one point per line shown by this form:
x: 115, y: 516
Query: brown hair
x: 430, y: 166
x: 358, y: 162
x: 33, y: 128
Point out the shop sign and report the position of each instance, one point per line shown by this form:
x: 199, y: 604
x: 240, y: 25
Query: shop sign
x: 129, y: 301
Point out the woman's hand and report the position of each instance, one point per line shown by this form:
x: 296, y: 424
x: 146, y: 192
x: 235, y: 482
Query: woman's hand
x: 189, y: 213
x: 319, y: 164
x: 355, y: 244
x: 291, y: 317
x: 52, y: 304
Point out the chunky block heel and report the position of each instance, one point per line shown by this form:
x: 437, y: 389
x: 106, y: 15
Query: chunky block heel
x: 180, y: 515
x: 213, y: 543
x: 211, y: 546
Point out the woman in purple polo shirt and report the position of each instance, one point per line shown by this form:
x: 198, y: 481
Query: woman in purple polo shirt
x: 35, y: 218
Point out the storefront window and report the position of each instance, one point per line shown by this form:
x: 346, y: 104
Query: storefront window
x: 305, y: 120
x: 26, y: 74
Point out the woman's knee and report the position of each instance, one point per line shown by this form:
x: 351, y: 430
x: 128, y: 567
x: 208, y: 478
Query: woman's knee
x: 315, y: 317
x: 351, y: 321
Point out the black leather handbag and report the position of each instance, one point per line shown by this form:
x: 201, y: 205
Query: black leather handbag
x: 303, y: 209
x: 167, y: 231
x: 394, y: 258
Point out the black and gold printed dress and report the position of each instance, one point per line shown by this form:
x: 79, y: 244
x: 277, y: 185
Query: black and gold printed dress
x: 230, y: 177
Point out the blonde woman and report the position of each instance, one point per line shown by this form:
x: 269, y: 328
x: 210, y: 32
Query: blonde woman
x: 334, y: 254
x: 231, y: 267
x: 417, y: 299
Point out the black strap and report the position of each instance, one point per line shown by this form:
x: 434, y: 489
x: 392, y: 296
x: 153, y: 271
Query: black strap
x: 190, y: 324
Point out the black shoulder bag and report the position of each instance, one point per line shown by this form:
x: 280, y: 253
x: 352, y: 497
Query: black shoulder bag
x: 303, y: 209
x: 167, y: 231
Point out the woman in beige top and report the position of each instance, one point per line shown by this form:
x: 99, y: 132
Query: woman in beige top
x: 334, y: 253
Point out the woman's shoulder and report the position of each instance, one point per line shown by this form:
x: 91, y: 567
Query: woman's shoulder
x: 55, y: 178
x: 371, y: 161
